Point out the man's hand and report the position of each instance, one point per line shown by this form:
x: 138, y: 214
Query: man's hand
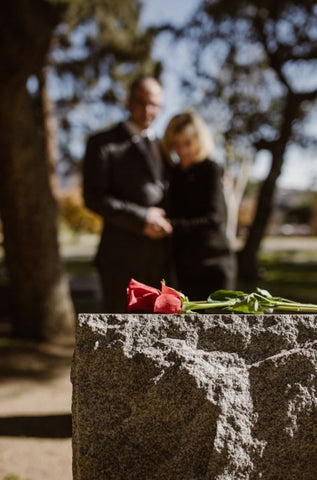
x: 157, y: 225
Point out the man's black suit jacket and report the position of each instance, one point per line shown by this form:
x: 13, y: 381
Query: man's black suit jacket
x: 121, y: 180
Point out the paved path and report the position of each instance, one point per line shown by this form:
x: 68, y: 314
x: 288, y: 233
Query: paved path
x: 35, y: 406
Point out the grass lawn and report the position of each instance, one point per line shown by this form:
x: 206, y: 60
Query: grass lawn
x: 288, y: 274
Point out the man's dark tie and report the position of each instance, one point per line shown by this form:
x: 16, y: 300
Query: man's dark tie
x: 154, y: 151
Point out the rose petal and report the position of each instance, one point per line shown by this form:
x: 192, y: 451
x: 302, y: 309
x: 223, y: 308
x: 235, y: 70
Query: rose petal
x: 167, y: 303
x: 138, y: 286
x: 169, y: 290
x: 141, y: 297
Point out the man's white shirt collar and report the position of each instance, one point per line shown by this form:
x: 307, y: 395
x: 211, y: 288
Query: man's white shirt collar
x: 135, y: 130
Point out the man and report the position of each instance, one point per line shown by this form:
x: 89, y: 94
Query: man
x: 125, y: 181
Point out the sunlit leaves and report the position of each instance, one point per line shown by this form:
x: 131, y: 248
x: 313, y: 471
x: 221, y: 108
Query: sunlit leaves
x: 236, y: 301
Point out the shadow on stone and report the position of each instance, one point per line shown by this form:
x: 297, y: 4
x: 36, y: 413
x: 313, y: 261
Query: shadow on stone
x: 31, y: 362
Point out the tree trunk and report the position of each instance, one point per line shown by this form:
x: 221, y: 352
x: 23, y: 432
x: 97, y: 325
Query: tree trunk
x: 50, y: 124
x: 248, y: 269
x: 42, y: 306
x: 233, y: 192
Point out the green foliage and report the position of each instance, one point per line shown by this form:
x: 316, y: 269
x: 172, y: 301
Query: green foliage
x: 299, y: 214
x: 258, y: 302
x: 11, y: 476
x: 76, y: 216
x: 301, y: 210
x: 109, y: 29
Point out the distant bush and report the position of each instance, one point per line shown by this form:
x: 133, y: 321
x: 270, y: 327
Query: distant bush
x: 299, y: 214
x: 76, y: 216
x: 313, y: 223
x: 11, y: 477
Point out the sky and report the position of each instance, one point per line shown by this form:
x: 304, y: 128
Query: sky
x: 300, y: 166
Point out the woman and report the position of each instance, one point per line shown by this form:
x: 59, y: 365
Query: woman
x: 203, y: 260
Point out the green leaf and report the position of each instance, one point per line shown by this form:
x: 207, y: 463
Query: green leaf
x: 225, y: 295
x: 245, y: 308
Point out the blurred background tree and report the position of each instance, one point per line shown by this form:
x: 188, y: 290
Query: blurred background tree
x: 252, y: 78
x: 66, y: 64
x: 35, y: 34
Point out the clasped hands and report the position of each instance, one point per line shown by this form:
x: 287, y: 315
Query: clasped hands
x: 157, y: 225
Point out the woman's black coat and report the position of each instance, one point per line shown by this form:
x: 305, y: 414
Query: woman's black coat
x: 203, y: 259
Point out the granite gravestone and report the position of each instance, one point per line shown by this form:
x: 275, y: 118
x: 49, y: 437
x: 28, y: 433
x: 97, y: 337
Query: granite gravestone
x: 192, y: 397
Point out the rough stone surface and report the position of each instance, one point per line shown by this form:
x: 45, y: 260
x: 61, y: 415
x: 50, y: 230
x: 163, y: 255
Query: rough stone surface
x: 192, y: 397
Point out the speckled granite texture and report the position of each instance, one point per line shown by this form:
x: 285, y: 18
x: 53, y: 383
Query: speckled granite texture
x: 158, y: 397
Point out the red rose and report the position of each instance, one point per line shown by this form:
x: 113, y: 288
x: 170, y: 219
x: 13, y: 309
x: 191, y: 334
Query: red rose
x: 172, y: 291
x: 142, y: 298
x: 167, y: 303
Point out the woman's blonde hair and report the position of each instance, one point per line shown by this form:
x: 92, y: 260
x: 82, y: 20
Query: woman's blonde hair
x: 178, y: 123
